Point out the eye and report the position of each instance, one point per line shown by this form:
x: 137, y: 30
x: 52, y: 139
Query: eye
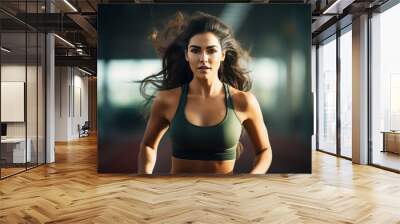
x: 194, y: 50
x: 211, y: 50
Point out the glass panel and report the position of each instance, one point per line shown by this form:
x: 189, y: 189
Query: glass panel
x: 327, y: 97
x: 31, y: 101
x: 23, y: 82
x: 346, y: 94
x: 32, y: 70
x: 13, y: 89
x: 41, y: 98
x: 386, y: 89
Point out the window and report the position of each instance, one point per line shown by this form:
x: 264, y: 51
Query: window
x: 346, y: 93
x: 327, y: 96
x: 385, y: 88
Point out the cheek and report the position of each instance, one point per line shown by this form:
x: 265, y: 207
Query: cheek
x: 215, y: 59
x: 192, y: 62
x: 192, y: 57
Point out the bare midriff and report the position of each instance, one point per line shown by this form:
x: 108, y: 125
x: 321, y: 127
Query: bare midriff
x: 182, y: 166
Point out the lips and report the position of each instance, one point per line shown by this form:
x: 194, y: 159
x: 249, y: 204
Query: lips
x: 204, y: 67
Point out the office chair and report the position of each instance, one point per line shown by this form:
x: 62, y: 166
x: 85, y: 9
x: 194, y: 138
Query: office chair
x: 84, y: 130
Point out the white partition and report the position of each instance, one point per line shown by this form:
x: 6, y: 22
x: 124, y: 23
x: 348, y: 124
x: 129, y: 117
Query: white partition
x: 12, y: 101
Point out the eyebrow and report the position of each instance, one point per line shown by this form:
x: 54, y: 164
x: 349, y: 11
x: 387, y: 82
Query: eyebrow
x: 208, y: 47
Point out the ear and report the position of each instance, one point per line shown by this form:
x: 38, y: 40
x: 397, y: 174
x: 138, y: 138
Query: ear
x: 223, y: 56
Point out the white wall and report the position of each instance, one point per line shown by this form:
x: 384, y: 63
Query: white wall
x: 62, y: 81
x: 13, y: 73
x: 16, y: 73
x: 80, y: 104
x: 71, y: 103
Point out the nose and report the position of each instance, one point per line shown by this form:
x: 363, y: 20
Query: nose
x: 203, y: 57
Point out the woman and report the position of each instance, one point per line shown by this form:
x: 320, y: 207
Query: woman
x: 203, y: 100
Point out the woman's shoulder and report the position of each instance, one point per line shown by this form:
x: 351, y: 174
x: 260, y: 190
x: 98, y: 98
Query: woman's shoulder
x: 243, y: 100
x: 168, y: 97
x: 167, y: 101
x: 169, y: 92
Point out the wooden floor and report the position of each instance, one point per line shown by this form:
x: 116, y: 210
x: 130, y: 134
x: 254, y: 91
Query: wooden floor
x: 71, y: 191
x: 8, y: 171
x: 5, y: 172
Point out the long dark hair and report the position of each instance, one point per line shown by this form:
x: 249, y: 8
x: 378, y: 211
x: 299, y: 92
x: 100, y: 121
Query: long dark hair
x: 172, y: 42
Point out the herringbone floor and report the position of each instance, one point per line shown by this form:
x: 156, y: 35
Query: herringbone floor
x: 71, y: 191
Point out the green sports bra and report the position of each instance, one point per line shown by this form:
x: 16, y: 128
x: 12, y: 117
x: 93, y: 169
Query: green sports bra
x: 217, y: 142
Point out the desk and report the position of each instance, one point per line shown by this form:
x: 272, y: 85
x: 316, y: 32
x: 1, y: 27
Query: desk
x: 15, y: 148
x: 391, y: 141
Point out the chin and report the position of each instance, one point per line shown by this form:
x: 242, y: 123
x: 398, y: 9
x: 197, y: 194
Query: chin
x: 207, y: 75
x: 203, y: 75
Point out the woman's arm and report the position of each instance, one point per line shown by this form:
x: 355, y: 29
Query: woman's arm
x: 262, y: 162
x: 155, y: 130
x: 255, y: 127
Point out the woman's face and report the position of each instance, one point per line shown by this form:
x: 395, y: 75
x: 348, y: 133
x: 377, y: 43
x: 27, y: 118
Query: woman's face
x: 204, y: 55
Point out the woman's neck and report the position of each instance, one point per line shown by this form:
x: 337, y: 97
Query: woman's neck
x: 205, y: 88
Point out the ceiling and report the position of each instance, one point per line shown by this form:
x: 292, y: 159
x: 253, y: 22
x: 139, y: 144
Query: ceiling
x: 76, y: 22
